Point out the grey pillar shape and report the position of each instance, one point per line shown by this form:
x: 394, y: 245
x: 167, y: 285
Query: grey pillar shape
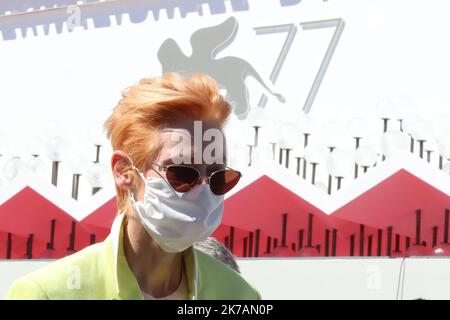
x: 55, y: 166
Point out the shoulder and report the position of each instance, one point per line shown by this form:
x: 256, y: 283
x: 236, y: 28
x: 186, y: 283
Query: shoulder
x: 219, y: 281
x: 67, y: 278
x: 26, y: 288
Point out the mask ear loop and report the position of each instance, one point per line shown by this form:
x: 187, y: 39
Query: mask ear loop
x: 140, y: 173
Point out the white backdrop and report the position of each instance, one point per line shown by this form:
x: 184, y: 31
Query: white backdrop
x: 388, y: 48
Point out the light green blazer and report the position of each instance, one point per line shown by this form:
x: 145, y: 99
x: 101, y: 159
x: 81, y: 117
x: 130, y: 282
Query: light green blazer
x: 101, y: 271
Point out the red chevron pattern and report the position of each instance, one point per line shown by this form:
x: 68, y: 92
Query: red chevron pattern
x: 381, y: 221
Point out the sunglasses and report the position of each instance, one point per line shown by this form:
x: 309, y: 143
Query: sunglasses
x: 183, y: 178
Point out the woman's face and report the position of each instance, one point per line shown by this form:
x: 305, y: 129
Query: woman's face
x: 200, y: 145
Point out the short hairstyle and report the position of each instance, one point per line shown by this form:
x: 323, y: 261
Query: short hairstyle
x: 217, y: 250
x: 157, y: 103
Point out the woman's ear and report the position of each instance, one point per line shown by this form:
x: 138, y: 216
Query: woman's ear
x: 121, y: 167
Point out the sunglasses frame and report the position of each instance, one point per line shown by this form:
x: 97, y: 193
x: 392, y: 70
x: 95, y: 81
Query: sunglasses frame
x: 164, y: 168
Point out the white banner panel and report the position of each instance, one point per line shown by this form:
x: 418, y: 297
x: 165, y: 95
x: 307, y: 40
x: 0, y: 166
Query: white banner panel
x: 347, y: 278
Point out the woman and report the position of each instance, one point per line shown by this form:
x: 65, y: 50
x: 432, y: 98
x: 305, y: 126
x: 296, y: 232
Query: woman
x: 169, y: 167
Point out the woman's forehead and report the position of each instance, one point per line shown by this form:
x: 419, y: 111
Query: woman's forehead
x: 182, y: 145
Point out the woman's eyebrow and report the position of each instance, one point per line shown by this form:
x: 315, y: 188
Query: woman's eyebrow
x: 167, y: 161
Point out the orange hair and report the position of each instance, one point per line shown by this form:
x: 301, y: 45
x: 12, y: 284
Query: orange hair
x: 157, y: 103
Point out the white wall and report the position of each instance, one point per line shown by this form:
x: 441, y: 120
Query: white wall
x: 346, y: 278
x: 349, y: 278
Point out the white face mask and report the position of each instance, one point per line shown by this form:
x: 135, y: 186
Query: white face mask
x: 177, y: 220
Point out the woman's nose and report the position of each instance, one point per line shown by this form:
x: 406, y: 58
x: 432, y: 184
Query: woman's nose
x: 202, y: 180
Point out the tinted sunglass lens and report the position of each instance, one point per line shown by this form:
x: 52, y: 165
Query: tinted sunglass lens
x: 182, y: 178
x: 223, y: 181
